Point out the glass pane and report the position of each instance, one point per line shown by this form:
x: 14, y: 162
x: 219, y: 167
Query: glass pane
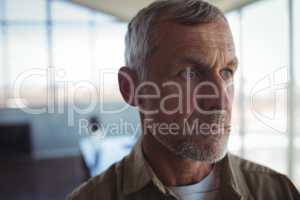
x: 297, y: 62
x: 265, y: 61
x: 2, y: 75
x: 26, y: 10
x: 72, y: 51
x: 72, y: 56
x: 2, y: 9
x: 26, y: 53
x: 297, y: 78
x: 109, y: 50
x: 110, y: 45
x: 67, y: 11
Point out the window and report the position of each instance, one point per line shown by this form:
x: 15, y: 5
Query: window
x: 258, y: 106
x: 72, y: 51
x: 23, y: 50
x: 2, y: 13
x: 109, y: 57
x: 297, y: 90
x: 265, y: 65
x: 77, y: 44
x: 26, y: 48
x: 2, y: 72
x: 29, y: 10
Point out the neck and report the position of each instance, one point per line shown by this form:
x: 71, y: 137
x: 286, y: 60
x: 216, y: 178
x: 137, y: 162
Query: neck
x: 171, y: 169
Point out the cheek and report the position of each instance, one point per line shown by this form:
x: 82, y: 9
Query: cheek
x: 170, y: 106
x: 171, y: 101
x: 176, y: 103
x: 230, y: 93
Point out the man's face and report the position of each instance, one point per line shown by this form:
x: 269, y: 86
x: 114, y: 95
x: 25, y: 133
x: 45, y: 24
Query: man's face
x: 188, y: 101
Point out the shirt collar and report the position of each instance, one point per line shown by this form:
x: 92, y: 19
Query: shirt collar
x: 233, y: 185
x: 136, y: 170
x: 207, y: 184
x: 138, y: 173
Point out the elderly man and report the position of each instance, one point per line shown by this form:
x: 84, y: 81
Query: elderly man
x: 181, y: 62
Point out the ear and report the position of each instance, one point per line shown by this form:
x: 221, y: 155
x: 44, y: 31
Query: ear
x: 127, y: 84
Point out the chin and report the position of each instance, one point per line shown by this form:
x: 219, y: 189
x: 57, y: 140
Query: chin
x: 210, y: 148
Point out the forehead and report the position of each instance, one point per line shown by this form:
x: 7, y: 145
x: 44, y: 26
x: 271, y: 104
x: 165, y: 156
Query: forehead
x: 205, y: 38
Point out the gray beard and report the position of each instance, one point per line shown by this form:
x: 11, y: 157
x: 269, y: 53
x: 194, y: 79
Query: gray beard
x: 206, y: 153
x: 212, y: 150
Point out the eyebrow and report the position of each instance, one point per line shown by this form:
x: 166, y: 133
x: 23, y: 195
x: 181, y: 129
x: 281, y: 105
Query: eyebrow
x: 233, y: 63
x: 194, y: 61
x: 201, y: 62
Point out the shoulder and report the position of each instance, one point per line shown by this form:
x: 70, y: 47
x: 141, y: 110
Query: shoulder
x: 248, y: 166
x: 103, y: 186
x: 263, y: 180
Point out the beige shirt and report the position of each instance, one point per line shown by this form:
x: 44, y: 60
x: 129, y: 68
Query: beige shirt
x: 133, y: 179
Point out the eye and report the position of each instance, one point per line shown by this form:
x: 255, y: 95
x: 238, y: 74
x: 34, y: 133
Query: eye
x: 188, y: 73
x: 226, y: 74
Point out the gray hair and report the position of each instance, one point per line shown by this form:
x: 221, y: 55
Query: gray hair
x: 140, y: 34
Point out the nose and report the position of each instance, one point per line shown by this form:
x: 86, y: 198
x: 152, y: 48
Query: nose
x: 214, y: 96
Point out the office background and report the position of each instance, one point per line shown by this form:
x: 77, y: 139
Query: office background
x: 53, y: 43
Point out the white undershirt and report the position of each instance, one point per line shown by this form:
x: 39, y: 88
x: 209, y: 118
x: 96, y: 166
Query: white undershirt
x: 206, y: 189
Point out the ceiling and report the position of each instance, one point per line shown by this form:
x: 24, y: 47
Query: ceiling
x: 126, y: 9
